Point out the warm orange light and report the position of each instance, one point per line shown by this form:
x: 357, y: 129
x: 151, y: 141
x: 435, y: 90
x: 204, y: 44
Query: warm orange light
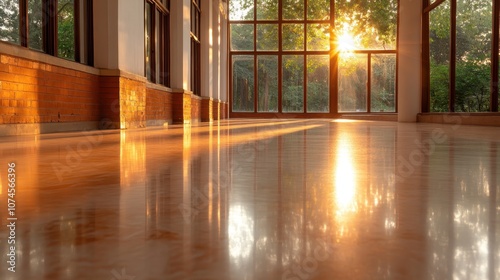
x: 346, y: 42
x: 345, y: 178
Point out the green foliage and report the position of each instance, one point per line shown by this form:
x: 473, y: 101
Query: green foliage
x: 243, y: 83
x: 440, y: 85
x: 293, y: 83
x: 376, y: 24
x: 241, y: 9
x: 35, y: 25
x: 473, y: 51
x: 65, y: 29
x: 293, y: 9
x: 383, y: 83
x: 267, y: 9
x: 9, y: 21
x: 242, y: 37
x: 374, y: 21
x: 472, y: 88
x: 268, y: 83
x: 9, y: 25
x: 318, y: 76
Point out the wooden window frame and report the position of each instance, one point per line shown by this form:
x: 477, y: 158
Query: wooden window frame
x: 333, y: 91
x: 426, y: 98
x: 159, y: 8
x: 49, y: 29
x: 195, y: 35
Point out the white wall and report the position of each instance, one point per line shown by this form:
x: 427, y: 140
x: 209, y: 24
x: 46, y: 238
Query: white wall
x: 207, y: 48
x: 131, y: 36
x: 180, y: 45
x: 224, y: 75
x: 106, y: 34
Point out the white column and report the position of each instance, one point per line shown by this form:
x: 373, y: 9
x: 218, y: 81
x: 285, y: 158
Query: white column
x: 224, y: 60
x: 409, y: 64
x: 180, y: 45
x: 207, y: 43
x: 131, y: 36
x: 106, y: 34
x: 216, y: 50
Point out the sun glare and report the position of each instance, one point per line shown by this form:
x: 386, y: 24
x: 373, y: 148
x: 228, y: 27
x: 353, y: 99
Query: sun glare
x: 346, y: 42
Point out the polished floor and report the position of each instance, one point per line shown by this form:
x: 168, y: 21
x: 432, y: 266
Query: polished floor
x: 254, y: 199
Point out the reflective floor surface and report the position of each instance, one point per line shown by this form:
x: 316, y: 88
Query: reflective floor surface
x: 253, y: 199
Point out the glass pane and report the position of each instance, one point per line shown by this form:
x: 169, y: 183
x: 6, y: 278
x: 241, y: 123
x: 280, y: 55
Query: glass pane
x: 66, y: 29
x: 35, y: 25
x: 439, y: 46
x: 147, y: 18
x: 241, y: 9
x: 267, y: 9
x: 268, y: 83
x: 267, y: 37
x: 472, y: 85
x: 243, y: 83
x: 369, y: 24
x: 318, y: 37
x: 9, y: 23
x: 293, y: 83
x: 318, y: 9
x: 318, y: 83
x: 293, y: 37
x: 293, y: 9
x: 352, y: 82
x: 242, y: 37
x: 383, y: 83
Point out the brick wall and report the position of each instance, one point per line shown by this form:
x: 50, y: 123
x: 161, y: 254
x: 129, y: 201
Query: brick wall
x: 182, y: 110
x: 109, y: 101
x: 132, y: 103
x: 34, y: 92
x: 37, y: 93
x: 224, y: 110
x: 207, y: 110
x: 195, y: 109
x: 158, y: 107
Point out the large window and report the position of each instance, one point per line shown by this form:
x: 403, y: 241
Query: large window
x: 460, y: 64
x: 195, y: 47
x: 316, y: 57
x: 157, y: 41
x: 61, y: 28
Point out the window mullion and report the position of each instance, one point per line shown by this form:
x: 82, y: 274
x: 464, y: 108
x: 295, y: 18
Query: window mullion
x: 77, y: 29
x: 494, y: 56
x: 23, y: 22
